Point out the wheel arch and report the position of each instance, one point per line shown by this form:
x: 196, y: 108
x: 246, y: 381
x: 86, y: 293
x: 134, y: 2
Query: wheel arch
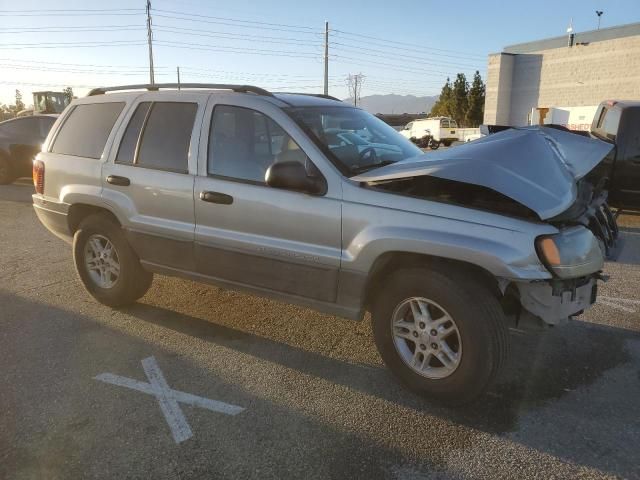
x: 390, y: 262
x: 79, y: 211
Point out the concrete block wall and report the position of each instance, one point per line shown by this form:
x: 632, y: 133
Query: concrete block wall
x: 569, y: 76
x: 497, y: 103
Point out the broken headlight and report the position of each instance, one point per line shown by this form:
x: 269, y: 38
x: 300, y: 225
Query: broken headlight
x: 574, y: 252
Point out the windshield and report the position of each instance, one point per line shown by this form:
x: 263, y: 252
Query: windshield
x: 355, y: 140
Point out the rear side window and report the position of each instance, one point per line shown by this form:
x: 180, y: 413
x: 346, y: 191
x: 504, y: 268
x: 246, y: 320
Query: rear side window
x: 166, y: 136
x: 85, y: 131
x: 127, y: 151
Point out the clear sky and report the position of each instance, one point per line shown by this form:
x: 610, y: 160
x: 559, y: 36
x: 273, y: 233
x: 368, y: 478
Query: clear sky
x: 414, y: 44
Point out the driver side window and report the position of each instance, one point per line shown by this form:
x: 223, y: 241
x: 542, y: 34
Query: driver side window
x: 243, y: 143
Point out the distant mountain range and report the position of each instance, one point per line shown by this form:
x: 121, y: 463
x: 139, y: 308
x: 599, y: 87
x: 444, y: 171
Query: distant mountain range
x: 396, y: 103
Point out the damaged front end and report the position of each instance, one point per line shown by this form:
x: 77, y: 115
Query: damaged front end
x: 537, y: 174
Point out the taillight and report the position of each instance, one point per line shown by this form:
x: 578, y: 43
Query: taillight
x: 38, y: 176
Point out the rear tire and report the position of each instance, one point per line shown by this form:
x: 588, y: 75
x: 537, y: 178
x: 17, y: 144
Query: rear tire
x: 106, y: 264
x: 7, y: 175
x: 481, y: 346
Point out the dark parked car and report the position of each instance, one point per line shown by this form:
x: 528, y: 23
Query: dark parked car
x: 20, y: 141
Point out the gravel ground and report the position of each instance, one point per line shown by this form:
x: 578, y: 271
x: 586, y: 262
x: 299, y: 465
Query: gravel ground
x: 318, y: 401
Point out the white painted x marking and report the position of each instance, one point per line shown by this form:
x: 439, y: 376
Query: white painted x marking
x: 168, y: 398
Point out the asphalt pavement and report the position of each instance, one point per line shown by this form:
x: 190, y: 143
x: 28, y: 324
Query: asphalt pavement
x: 197, y: 382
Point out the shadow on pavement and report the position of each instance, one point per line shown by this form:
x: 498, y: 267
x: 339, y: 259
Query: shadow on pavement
x: 543, y: 366
x: 58, y: 422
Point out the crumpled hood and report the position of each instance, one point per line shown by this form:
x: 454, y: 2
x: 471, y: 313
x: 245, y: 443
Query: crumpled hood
x: 535, y: 166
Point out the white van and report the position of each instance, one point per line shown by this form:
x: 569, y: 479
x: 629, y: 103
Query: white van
x: 431, y: 131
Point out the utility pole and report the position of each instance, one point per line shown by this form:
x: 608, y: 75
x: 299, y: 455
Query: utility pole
x: 150, y: 41
x: 326, y: 58
x: 178, y: 71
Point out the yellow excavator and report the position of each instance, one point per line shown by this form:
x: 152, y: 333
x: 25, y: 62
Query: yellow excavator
x: 46, y: 102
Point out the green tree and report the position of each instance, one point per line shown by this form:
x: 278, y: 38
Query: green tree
x: 475, y: 110
x: 459, y: 101
x: 68, y: 94
x: 19, y: 102
x: 442, y: 107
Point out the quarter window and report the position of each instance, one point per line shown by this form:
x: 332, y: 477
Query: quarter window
x: 166, y: 136
x: 127, y: 151
x: 243, y: 143
x: 86, y: 129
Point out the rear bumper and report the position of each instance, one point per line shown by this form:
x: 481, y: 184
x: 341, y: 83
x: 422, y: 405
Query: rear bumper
x: 53, y: 215
x: 555, y: 305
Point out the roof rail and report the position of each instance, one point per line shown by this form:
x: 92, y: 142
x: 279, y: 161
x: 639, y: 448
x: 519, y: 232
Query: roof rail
x: 158, y: 86
x: 319, y: 95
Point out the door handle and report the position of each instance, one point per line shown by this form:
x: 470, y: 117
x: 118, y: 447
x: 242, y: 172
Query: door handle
x: 216, y: 197
x: 117, y: 180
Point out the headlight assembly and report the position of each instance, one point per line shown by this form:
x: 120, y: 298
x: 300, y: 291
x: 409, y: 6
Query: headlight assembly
x: 574, y: 252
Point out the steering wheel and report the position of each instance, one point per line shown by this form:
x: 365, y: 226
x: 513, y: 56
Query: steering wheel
x: 368, y: 156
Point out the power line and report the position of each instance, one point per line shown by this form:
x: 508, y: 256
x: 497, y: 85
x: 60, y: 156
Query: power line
x: 46, y: 10
x: 260, y: 74
x: 68, y: 14
x: 58, y: 29
x: 405, y: 44
x: 72, y: 64
x: 357, y: 61
x: 251, y: 51
x: 200, y: 20
x: 114, y: 43
x: 234, y: 36
x: 395, y: 55
x: 69, y: 70
x: 198, y: 15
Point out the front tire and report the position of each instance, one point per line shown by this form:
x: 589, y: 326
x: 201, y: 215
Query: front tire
x: 106, y: 264
x: 442, y: 333
x: 434, y: 145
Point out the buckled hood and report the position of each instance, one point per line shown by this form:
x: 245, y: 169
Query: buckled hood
x: 538, y: 167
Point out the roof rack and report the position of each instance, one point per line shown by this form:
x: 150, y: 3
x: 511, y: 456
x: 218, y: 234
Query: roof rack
x: 157, y: 86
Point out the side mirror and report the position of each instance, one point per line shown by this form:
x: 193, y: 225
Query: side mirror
x: 292, y: 175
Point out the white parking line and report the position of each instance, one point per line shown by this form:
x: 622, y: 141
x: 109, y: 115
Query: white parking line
x: 169, y: 398
x: 623, y: 304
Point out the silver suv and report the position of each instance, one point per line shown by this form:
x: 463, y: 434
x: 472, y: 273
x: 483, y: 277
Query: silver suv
x: 314, y: 202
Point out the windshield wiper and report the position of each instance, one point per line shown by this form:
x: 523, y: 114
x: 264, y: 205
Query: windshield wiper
x: 366, y: 168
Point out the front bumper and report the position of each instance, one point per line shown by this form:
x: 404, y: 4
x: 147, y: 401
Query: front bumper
x: 53, y: 215
x: 555, y: 303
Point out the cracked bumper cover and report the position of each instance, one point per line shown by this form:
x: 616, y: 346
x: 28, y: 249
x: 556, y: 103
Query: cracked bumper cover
x: 554, y: 307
